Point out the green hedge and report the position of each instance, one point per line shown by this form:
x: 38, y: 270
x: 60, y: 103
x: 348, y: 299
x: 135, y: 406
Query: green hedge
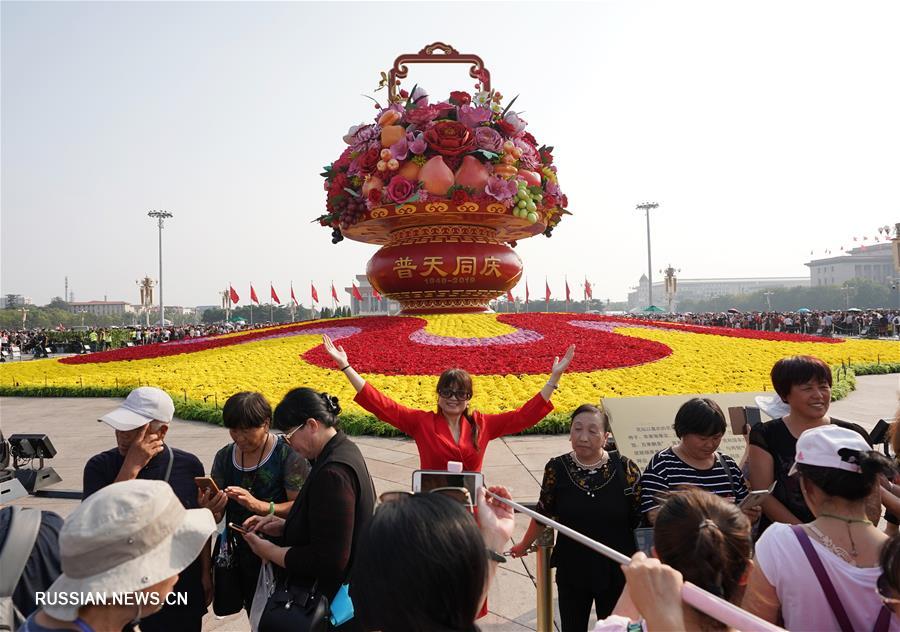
x: 365, y: 424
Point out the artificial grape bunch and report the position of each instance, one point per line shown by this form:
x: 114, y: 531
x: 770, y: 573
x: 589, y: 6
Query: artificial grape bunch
x: 527, y: 202
x: 352, y: 210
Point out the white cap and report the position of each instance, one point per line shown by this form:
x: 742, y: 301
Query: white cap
x: 819, y: 446
x: 143, y: 405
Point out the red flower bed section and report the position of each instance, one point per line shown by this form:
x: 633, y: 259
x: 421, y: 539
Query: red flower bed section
x: 384, y: 347
x: 720, y: 331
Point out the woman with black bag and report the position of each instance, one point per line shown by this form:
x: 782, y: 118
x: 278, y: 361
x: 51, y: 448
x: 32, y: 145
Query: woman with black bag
x: 257, y: 474
x: 313, y: 548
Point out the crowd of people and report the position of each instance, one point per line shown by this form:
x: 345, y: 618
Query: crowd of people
x: 302, y: 533
x: 881, y: 323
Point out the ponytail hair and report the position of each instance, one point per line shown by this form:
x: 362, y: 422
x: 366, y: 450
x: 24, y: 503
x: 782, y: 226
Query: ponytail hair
x: 707, y: 539
x: 846, y: 484
x: 304, y: 403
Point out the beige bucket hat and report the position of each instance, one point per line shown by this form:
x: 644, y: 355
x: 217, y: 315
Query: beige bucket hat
x: 124, y: 538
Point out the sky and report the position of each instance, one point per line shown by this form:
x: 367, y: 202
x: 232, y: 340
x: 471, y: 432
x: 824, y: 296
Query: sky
x: 764, y: 130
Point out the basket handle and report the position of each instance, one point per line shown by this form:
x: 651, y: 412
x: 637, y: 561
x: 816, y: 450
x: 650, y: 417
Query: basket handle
x: 436, y: 53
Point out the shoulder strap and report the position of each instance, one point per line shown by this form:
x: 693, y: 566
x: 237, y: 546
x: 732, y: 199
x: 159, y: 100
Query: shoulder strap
x: 24, y: 525
x: 824, y: 581
x: 728, y: 473
x: 619, y: 467
x: 883, y: 622
x: 169, y: 466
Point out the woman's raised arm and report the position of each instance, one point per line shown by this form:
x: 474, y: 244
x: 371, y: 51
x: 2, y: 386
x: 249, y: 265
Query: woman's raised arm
x: 342, y: 363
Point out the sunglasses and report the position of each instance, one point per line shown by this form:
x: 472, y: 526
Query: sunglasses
x: 448, y: 393
x: 459, y: 494
x: 882, y: 588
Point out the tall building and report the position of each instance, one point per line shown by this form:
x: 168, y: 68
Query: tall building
x: 369, y: 305
x: 702, y: 289
x: 874, y: 263
x: 14, y: 300
x: 102, y: 308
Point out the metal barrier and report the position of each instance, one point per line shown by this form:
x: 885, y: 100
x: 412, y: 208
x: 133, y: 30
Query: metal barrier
x: 543, y: 577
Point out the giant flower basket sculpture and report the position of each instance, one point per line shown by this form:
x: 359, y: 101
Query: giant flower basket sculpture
x: 446, y: 188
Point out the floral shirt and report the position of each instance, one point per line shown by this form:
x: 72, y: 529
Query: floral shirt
x: 281, y: 471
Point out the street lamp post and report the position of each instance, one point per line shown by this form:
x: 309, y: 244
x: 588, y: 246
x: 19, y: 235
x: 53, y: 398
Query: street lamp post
x: 768, y: 294
x: 646, y: 207
x: 160, y: 217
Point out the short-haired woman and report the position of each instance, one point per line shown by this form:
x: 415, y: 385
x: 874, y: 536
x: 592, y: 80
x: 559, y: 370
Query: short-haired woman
x: 257, y: 474
x: 694, y: 461
x: 804, y: 384
x: 837, y: 552
x: 594, y: 492
x: 316, y: 543
x: 453, y: 432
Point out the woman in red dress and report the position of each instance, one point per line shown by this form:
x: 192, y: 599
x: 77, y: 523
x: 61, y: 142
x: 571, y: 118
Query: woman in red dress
x: 453, y: 432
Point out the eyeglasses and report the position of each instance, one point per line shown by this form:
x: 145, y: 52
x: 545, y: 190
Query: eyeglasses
x: 448, y: 393
x: 882, y: 587
x: 288, y: 435
x: 459, y: 494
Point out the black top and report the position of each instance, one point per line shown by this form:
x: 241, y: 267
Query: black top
x: 775, y: 438
x: 666, y: 472
x: 42, y: 567
x: 101, y: 470
x: 603, y: 504
x: 334, y: 506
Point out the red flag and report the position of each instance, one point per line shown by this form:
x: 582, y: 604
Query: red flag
x: 233, y: 295
x: 546, y: 290
x: 315, y: 295
x: 356, y: 293
x: 334, y: 293
x: 526, y: 291
x: 273, y: 294
x: 375, y: 293
x: 509, y: 296
x: 588, y: 292
x: 568, y: 294
x: 253, y: 295
x: 293, y: 298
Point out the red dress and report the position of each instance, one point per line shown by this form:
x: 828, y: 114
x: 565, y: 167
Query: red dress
x: 431, y: 431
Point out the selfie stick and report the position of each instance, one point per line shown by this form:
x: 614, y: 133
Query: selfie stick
x: 693, y: 595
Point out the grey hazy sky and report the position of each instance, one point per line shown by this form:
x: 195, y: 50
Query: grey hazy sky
x: 763, y: 129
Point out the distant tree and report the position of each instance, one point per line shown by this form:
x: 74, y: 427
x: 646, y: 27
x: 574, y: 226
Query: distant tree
x: 57, y: 302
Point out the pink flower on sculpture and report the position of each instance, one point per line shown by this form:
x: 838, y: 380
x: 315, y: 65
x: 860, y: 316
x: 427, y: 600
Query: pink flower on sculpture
x: 400, y: 189
x: 500, y: 188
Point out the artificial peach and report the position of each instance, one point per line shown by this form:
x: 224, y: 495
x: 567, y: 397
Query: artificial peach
x: 533, y: 178
x: 436, y: 176
x: 410, y: 171
x: 389, y: 118
x: 472, y: 173
x: 390, y: 134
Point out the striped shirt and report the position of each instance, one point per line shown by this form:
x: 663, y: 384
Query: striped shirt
x: 666, y: 472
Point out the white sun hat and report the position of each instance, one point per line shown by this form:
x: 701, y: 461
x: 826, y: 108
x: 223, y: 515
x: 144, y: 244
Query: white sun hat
x: 820, y: 446
x: 143, y: 405
x: 124, y: 538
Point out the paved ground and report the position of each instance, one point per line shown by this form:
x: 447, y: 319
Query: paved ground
x: 517, y: 462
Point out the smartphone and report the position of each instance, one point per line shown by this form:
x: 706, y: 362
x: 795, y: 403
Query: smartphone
x: 879, y: 433
x: 755, y: 499
x: 743, y: 416
x: 738, y: 417
x: 237, y: 528
x: 207, y: 483
x: 426, y: 480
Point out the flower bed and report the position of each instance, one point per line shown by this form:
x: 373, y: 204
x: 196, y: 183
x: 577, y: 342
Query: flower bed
x: 403, y: 356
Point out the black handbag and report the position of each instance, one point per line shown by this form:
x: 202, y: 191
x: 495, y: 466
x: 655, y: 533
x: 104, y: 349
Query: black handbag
x: 227, y: 596
x: 295, y: 609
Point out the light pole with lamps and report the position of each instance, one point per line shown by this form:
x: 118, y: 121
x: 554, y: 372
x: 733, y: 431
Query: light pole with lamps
x: 160, y: 216
x: 646, y: 207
